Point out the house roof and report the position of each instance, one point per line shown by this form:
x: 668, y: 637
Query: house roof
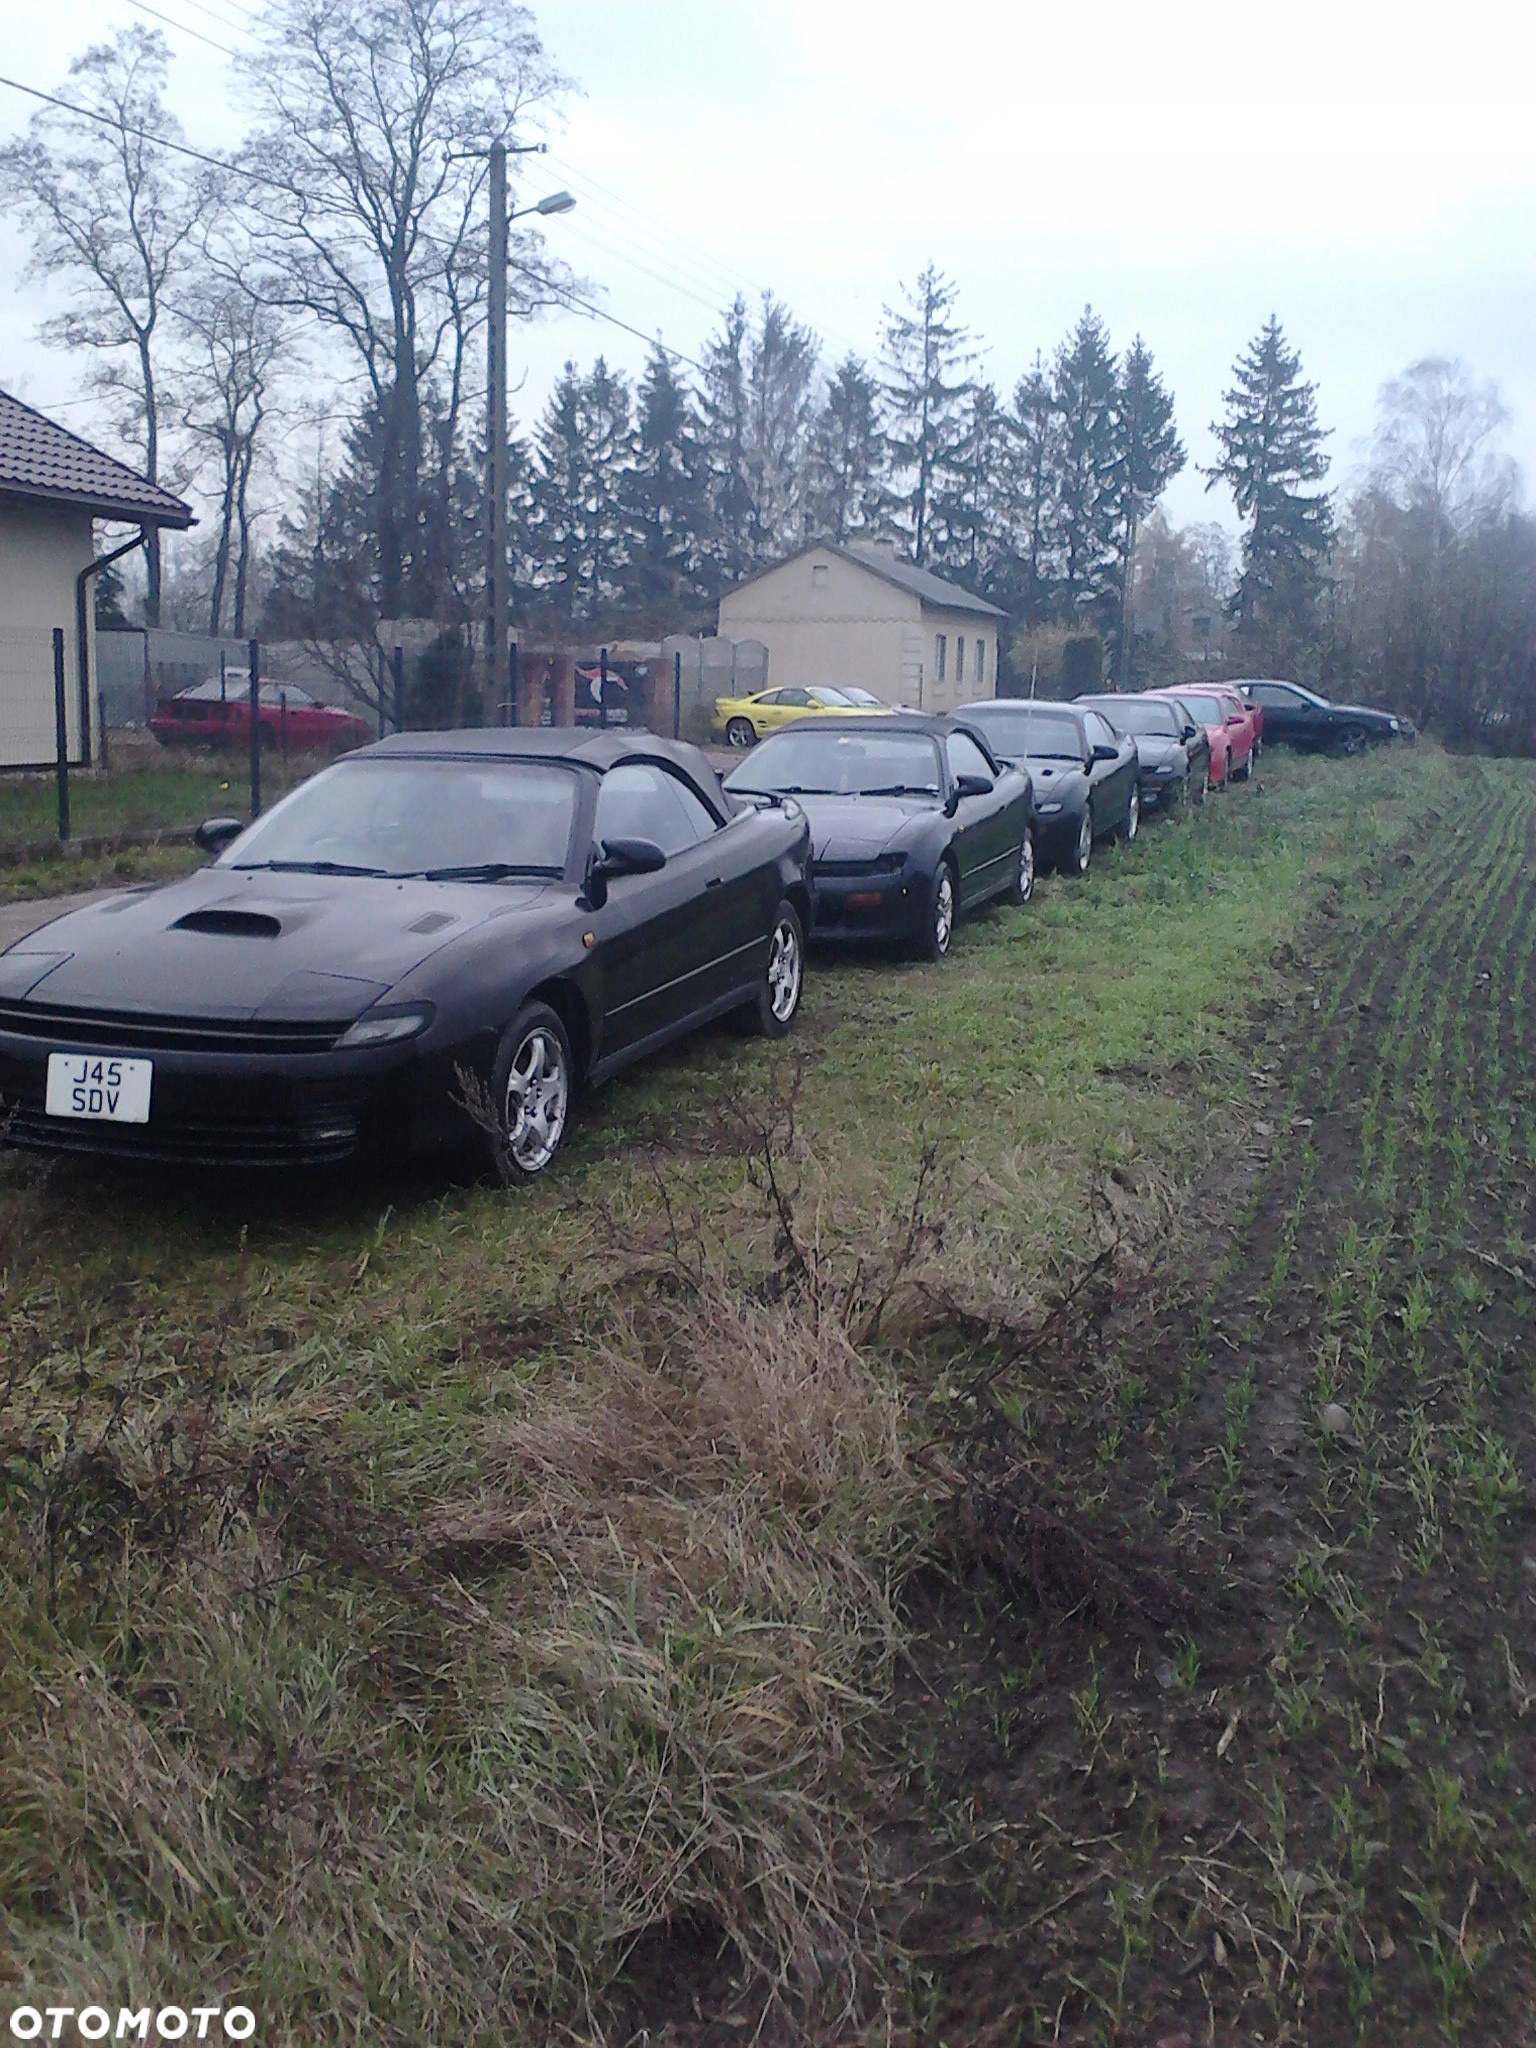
x: 40, y: 459
x: 891, y: 568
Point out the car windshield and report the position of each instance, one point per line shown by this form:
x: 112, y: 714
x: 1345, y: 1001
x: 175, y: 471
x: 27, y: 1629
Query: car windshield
x: 1208, y: 710
x: 1016, y: 730
x: 864, y: 763
x: 1149, y: 720
x: 867, y: 698
x: 380, y: 817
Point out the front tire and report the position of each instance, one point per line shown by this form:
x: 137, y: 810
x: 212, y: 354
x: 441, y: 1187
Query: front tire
x: 1132, y: 823
x: 938, y: 930
x: 1082, y: 857
x: 1245, y: 773
x: 739, y: 732
x: 1352, y: 741
x: 531, y: 1086
x: 773, y: 1009
x: 1201, y: 790
x: 1022, y: 887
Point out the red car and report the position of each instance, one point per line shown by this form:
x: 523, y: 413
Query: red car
x: 211, y: 714
x: 1228, y: 725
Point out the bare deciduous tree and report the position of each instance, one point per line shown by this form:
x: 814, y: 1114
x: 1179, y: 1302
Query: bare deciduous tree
x: 237, y: 347
x: 113, y: 212
x: 374, y: 123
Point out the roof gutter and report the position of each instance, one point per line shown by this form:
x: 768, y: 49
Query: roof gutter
x: 83, y: 635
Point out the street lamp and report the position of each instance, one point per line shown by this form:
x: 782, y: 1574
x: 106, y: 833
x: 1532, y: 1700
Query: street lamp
x: 496, y: 411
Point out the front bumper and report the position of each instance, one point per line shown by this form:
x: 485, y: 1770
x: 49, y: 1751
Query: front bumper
x: 1158, y: 791
x: 852, y: 904
x: 1056, y: 837
x: 233, y: 1105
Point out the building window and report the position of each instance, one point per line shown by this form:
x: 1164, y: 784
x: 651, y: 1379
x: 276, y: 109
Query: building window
x: 959, y: 657
x: 940, y: 644
x: 981, y: 661
x: 820, y: 571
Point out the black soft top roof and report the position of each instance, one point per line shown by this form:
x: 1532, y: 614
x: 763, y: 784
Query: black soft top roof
x: 597, y: 750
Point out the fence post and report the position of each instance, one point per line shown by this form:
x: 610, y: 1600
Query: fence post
x: 255, y: 657
x: 602, y: 686
x: 677, y: 694
x: 282, y: 728
x: 399, y: 659
x: 512, y: 683
x: 383, y: 695
x: 101, y: 720
x: 61, y: 730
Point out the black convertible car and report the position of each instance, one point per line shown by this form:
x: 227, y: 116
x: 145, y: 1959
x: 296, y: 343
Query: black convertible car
x: 1085, y: 774
x: 913, y: 821
x: 436, y: 940
x: 1303, y: 719
x: 1173, y: 754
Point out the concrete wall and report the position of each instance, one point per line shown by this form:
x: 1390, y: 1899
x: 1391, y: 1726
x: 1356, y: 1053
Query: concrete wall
x: 43, y: 548
x: 825, y: 619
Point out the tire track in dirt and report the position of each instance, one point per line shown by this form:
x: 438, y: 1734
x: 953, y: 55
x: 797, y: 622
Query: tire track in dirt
x: 1307, y: 1817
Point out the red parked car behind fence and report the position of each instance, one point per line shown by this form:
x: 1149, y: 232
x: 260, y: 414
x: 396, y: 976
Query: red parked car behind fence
x: 213, y: 715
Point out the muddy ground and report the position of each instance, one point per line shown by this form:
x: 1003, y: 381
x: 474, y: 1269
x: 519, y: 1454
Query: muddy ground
x: 1221, y: 1728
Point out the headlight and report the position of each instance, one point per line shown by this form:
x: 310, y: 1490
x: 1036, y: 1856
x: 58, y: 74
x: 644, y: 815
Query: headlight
x: 1393, y: 725
x: 1046, y: 810
x: 386, y: 1027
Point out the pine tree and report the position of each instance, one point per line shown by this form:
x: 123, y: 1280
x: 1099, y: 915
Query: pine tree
x: 724, y: 409
x: 927, y: 358
x: 666, y: 501
x: 1085, y: 386
x: 577, y: 524
x: 969, y: 522
x: 781, y: 370
x: 1034, y: 447
x: 1148, y: 456
x: 1271, y: 448
x: 847, y: 457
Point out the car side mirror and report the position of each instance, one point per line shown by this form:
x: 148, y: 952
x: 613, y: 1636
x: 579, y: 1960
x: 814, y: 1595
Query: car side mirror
x: 1191, y: 732
x: 1105, y: 752
x: 214, y: 834
x: 615, y: 857
x: 974, y: 785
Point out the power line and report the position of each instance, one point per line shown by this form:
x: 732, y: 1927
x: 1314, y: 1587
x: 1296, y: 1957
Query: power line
x: 171, y: 22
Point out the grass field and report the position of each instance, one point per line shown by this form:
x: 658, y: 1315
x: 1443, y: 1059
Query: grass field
x: 146, y: 792
x: 1004, y: 1519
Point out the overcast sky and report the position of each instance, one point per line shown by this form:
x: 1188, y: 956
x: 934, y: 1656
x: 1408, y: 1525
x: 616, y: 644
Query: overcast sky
x: 1368, y: 173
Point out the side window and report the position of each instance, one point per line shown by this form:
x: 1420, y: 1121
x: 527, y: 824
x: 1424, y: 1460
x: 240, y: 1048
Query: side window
x: 794, y: 697
x: 981, y: 661
x: 641, y: 802
x: 959, y: 657
x: 1275, y: 694
x: 1099, y: 734
x: 940, y: 648
x: 966, y: 758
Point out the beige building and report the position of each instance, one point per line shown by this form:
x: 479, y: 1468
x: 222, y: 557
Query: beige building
x: 856, y: 613
x: 54, y: 487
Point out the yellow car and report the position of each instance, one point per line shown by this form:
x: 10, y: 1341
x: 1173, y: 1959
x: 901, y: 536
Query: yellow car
x: 740, y: 721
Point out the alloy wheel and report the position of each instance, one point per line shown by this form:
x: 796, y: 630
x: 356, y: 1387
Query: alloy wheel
x: 943, y: 912
x: 538, y: 1097
x: 1133, y: 815
x: 1085, y: 843
x: 739, y: 733
x: 786, y: 970
x: 1024, y: 887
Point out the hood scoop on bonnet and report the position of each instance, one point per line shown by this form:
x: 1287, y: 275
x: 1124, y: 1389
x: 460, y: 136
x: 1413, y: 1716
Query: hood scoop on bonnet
x: 432, y: 921
x: 229, y: 922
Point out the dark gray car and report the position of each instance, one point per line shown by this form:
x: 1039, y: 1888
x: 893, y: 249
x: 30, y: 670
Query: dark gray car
x: 1085, y: 774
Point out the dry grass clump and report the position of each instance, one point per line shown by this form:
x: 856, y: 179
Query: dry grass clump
x: 389, y: 1730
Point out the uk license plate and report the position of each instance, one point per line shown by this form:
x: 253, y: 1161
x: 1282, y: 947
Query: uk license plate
x: 103, y: 1090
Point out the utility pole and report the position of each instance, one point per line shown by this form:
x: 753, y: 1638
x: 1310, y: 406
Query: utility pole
x: 496, y: 591
x: 496, y: 441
